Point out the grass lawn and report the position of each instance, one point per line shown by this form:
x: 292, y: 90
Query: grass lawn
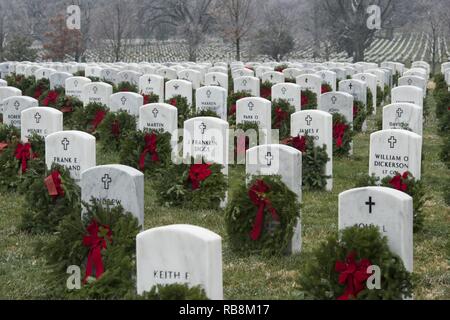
x: 253, y: 277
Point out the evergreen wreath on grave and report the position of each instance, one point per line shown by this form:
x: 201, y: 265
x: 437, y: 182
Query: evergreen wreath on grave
x: 17, y: 158
x: 205, y: 113
x: 176, y: 292
x: 126, y: 87
x: 50, y: 98
x: 381, y: 96
x: 114, y: 128
x: 386, y: 92
x: 146, y: 151
x: 370, y: 107
x: 342, y: 136
x: 20, y: 82
x: 89, y: 118
x: 397, y: 76
x: 199, y: 185
x: 338, y: 269
x: 308, y: 100
x: 104, y: 241
x: 261, y: 217
x: 326, y: 88
x: 7, y: 134
x: 184, y: 109
x: 37, y: 89
x: 49, y: 199
x: 232, y: 102
x: 359, y: 115
x: 406, y: 183
x: 314, y: 161
x: 281, y: 67
x: 240, y: 145
x: 150, y: 98
x: 266, y: 90
x: 281, y: 117
x: 67, y: 105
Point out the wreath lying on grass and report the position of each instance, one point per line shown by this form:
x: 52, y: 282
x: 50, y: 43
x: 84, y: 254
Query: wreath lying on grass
x: 104, y: 239
x: 232, y: 102
x: 17, y: 159
x: 184, y: 109
x: 308, y: 100
x: 48, y: 200
x: 406, y: 183
x: 266, y: 90
x: 261, y: 217
x: 281, y: 117
x: 342, y: 136
x: 200, y: 186
x: 89, y: 118
x: 338, y: 269
x: 146, y: 151
x: 114, y: 128
x: 359, y: 115
x: 314, y: 161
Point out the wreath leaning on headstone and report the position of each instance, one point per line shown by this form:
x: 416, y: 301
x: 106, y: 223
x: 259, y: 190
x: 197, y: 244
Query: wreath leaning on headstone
x: 266, y: 90
x: 308, y: 100
x: 198, y: 185
x: 184, y: 109
x: 48, y: 199
x: 146, y: 151
x: 314, y: 161
x: 261, y: 217
x: 338, y: 268
x: 342, y: 136
x: 232, y: 102
x: 102, y: 243
x: 281, y: 117
x: 406, y: 183
x: 114, y: 128
x: 359, y: 115
x: 89, y: 118
x: 68, y: 105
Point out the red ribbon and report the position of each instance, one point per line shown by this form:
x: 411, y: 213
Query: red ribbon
x: 338, y: 133
x: 280, y: 116
x: 325, y: 89
x: 298, y: 143
x: 99, y: 116
x: 3, y: 146
x: 199, y: 173
x: 257, y: 195
x: 305, y: 100
x: 54, y: 184
x: 52, y: 97
x: 266, y: 92
x: 23, y: 153
x: 173, y: 102
x: 233, y: 109
x: 397, y: 181
x: 151, y: 146
x: 352, y: 274
x: 37, y: 93
x: 115, y: 129
x: 96, y: 242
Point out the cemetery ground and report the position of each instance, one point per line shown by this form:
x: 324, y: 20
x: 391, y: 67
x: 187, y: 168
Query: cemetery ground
x: 22, y: 273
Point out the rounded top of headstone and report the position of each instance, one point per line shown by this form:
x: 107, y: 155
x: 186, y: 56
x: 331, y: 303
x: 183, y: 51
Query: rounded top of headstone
x: 117, y: 167
x: 193, y: 231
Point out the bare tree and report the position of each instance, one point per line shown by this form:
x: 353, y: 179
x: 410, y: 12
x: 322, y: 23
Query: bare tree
x: 236, y: 20
x: 192, y: 18
x: 87, y: 12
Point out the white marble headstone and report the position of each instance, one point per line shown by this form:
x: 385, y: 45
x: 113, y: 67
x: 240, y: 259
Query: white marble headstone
x: 74, y: 86
x: 13, y: 107
x: 160, y: 117
x: 288, y: 91
x: 310, y: 82
x: 179, y: 88
x: 407, y: 94
x: 217, y: 79
x: 403, y: 116
x: 126, y: 101
x: 337, y: 102
x: 273, y: 77
x: 250, y: 85
x: 7, y: 92
x: 192, y: 76
x: 212, y: 98
x: 41, y: 121
x: 58, y: 79
x: 97, y: 92
x: 152, y: 84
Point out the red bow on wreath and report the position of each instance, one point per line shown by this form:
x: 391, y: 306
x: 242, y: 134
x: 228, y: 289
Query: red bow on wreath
x: 23, y: 153
x: 266, y: 92
x: 54, y: 184
x: 3, y: 146
x: 199, y: 173
x: 233, y: 109
x: 353, y: 274
x: 257, y: 195
x: 305, y: 100
x: 173, y: 102
x: 97, y: 240
x: 37, y: 92
x: 115, y: 129
x: 338, y: 133
x: 324, y: 89
x: 280, y: 116
x: 299, y: 143
x: 397, y: 181
x: 52, y: 97
x: 151, y: 145
x: 99, y: 116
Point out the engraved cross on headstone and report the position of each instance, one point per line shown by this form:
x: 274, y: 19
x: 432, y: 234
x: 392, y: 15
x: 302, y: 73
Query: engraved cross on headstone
x: 203, y: 127
x: 65, y: 143
x: 106, y: 181
x: 308, y: 120
x: 269, y: 158
x: 37, y: 117
x: 350, y: 86
x: 371, y: 204
x: 251, y: 106
x: 333, y: 99
x: 95, y: 89
x: 17, y: 105
x: 283, y: 90
x: 399, y: 112
x: 124, y: 100
x: 392, y: 141
x: 155, y: 112
x: 208, y: 94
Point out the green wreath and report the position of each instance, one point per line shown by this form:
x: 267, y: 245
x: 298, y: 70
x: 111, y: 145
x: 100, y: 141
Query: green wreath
x: 342, y: 136
x: 150, y: 98
x: 89, y: 118
x: 241, y: 146
x: 184, y: 109
x: 114, y: 128
x: 174, y: 186
x: 8, y: 133
x: 37, y: 88
x: 137, y: 151
x: 176, y: 292
x: 370, y: 107
x: 205, y: 113
x: 118, y: 229
x: 281, y: 117
x: 406, y: 183
x: 20, y: 82
x: 266, y: 90
x: 232, y: 101
x: 241, y: 213
x: 50, y: 98
x: 42, y: 211
x: 309, y: 100
x: 359, y: 115
x: 325, y: 88
x: 125, y: 87
x: 68, y: 105
x: 314, y: 161
x: 320, y: 278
